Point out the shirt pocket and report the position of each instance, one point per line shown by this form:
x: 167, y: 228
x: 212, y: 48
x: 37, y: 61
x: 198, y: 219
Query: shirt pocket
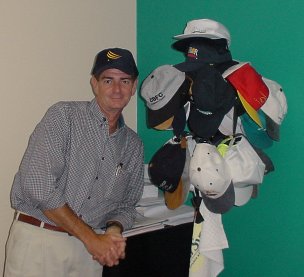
x: 117, y: 191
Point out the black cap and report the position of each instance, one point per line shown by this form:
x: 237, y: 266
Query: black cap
x: 167, y: 165
x: 118, y: 58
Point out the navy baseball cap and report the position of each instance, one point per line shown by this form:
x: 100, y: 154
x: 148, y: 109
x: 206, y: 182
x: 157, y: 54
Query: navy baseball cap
x: 118, y: 58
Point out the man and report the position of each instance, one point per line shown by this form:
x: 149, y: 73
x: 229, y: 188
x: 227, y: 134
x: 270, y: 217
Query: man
x: 81, y: 174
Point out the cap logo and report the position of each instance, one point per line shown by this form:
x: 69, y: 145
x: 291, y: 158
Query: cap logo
x: 197, y: 30
x: 111, y: 55
x: 192, y: 52
x: 156, y: 98
x: 262, y: 98
x: 204, y: 112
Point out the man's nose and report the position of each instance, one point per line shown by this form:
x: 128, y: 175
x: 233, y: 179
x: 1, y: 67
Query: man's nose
x: 116, y: 86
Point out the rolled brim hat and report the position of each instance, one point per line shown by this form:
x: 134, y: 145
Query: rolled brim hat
x: 165, y: 91
x: 200, y: 51
x: 212, y: 98
x: 210, y: 174
x: 275, y: 108
x: 251, y: 89
x: 118, y: 58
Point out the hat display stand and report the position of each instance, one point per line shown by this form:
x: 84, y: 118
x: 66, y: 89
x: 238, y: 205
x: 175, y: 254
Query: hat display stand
x: 220, y: 93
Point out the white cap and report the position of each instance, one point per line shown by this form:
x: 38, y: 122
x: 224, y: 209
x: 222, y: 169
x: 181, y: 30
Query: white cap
x: 210, y: 174
x: 161, y: 85
x: 276, y: 105
x: 207, y: 28
x: 275, y: 108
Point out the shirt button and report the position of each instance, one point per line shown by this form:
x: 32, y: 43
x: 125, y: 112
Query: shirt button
x: 89, y: 197
x: 104, y: 119
x: 96, y: 178
x: 102, y: 158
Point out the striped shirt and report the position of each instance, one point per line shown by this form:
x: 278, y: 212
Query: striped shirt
x: 71, y: 158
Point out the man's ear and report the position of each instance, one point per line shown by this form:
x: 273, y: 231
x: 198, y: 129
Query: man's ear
x: 94, y: 83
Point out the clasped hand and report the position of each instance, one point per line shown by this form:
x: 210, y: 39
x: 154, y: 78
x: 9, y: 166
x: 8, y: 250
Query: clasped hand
x: 109, y: 249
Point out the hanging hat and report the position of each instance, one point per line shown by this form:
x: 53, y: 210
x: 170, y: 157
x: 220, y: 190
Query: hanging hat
x: 246, y: 166
x: 251, y: 89
x: 176, y: 198
x: 212, y: 98
x: 275, y: 108
x: 210, y: 174
x: 204, y: 28
x: 256, y: 135
x: 200, y: 51
x: 165, y: 91
x: 226, y: 126
x: 167, y: 165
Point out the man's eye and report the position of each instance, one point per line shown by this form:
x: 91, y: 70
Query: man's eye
x: 126, y: 82
x: 107, y: 81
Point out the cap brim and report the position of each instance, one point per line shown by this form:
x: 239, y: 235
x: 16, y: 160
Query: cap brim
x: 174, y: 199
x: 166, y: 125
x: 157, y: 117
x: 256, y: 135
x: 250, y: 110
x: 272, y: 128
x: 189, y: 66
x: 221, y: 204
x: 242, y: 195
x: 269, y: 166
x: 183, y: 41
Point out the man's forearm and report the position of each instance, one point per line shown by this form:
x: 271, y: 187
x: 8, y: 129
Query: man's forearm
x: 67, y: 219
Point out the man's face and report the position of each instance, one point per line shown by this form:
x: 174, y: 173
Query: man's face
x: 113, y: 90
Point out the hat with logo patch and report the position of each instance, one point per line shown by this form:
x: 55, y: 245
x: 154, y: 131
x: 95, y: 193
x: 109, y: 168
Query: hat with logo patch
x: 165, y: 92
x: 210, y: 174
x: 118, y: 58
x: 212, y: 98
x: 251, y: 89
x: 200, y: 51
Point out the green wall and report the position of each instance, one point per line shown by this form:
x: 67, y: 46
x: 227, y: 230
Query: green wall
x: 266, y: 235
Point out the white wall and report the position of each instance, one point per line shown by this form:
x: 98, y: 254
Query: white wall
x: 46, y: 53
